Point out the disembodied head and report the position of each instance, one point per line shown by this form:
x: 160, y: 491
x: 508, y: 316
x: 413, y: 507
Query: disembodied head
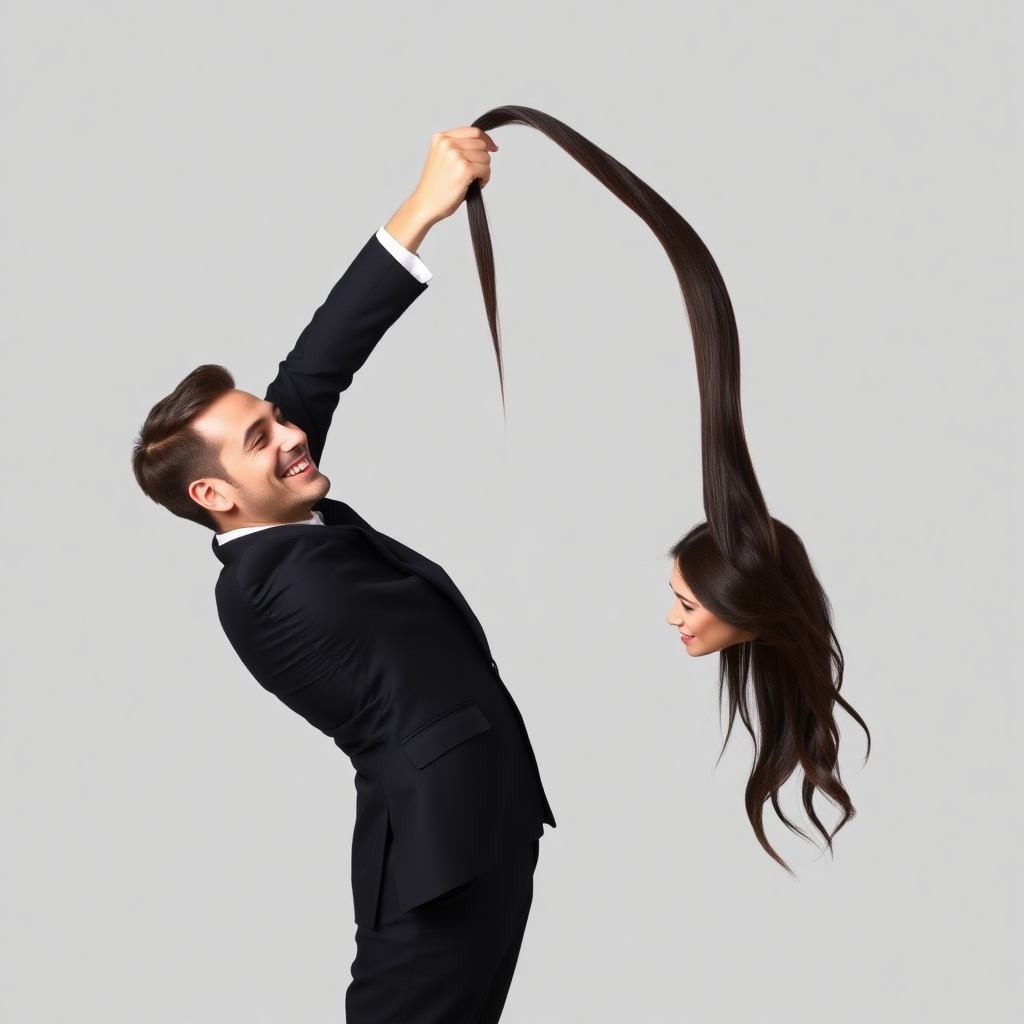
x: 779, y: 604
x: 700, y: 629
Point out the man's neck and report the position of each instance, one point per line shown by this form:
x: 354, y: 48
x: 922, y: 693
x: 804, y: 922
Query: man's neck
x: 225, y: 536
x: 232, y: 522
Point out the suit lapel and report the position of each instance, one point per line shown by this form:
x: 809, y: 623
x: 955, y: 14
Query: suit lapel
x: 340, y: 516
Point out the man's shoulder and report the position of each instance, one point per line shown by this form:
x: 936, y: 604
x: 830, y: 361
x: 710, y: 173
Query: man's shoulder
x: 304, y: 580
x: 268, y: 557
x: 287, y: 559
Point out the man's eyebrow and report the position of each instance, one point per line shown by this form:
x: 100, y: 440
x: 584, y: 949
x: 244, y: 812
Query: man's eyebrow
x: 251, y: 431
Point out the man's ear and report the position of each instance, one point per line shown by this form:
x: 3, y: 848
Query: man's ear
x: 210, y: 493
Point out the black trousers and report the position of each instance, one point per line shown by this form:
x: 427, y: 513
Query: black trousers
x: 449, y: 961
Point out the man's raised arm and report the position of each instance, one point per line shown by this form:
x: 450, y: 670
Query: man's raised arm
x: 377, y: 288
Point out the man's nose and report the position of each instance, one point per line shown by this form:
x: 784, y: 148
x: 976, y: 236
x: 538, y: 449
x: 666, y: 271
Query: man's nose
x: 293, y: 438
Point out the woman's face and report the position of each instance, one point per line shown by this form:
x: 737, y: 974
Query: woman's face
x: 700, y: 631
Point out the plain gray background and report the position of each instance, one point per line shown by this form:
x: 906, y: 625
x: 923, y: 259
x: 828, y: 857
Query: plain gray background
x: 184, y: 183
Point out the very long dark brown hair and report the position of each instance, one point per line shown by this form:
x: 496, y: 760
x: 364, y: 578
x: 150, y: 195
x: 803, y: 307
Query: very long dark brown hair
x: 744, y: 566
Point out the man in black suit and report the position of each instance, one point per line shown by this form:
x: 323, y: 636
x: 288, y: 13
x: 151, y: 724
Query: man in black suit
x: 369, y: 641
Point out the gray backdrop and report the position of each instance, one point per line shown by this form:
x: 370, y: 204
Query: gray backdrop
x: 183, y: 183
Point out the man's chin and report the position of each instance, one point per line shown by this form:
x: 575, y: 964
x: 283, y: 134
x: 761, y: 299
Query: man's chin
x: 317, y: 488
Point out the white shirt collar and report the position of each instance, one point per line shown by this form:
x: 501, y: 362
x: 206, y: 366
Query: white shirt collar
x: 316, y: 519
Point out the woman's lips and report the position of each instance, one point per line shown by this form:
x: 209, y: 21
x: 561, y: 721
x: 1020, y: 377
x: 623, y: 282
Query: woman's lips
x: 685, y: 637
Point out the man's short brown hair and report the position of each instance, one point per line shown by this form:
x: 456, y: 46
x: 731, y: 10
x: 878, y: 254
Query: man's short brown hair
x: 170, y: 453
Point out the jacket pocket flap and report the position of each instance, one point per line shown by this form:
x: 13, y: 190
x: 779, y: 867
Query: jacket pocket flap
x: 438, y: 737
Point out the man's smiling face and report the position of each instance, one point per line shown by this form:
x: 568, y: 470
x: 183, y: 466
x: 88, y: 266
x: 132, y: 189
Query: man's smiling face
x: 269, y: 476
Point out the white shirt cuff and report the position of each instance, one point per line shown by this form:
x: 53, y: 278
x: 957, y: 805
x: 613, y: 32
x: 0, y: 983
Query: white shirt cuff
x: 409, y: 260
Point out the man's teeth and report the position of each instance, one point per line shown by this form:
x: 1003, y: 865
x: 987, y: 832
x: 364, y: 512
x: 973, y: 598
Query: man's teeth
x: 298, y: 467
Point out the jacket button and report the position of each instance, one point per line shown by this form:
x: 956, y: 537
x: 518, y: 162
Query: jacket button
x: 494, y: 668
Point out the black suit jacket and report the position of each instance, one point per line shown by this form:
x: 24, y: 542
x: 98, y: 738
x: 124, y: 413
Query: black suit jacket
x: 374, y: 645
